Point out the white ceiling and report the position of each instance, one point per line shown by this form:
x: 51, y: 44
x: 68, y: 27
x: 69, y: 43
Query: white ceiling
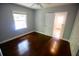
x: 44, y: 5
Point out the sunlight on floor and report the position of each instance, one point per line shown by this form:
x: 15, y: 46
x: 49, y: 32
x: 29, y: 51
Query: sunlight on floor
x: 23, y: 47
x: 54, y: 47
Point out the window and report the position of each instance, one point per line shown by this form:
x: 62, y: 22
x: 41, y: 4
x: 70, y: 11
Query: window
x: 20, y: 20
x: 59, y: 24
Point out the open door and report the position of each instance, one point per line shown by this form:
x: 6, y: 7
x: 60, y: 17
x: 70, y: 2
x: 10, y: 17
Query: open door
x: 49, y: 17
x: 59, y: 24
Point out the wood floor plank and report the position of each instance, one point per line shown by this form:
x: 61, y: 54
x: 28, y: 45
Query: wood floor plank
x: 36, y: 44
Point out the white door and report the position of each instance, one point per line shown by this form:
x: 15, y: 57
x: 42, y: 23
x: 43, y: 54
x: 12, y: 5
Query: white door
x: 49, y: 17
x: 59, y: 23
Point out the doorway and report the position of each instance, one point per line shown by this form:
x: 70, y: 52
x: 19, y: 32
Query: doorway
x: 59, y: 24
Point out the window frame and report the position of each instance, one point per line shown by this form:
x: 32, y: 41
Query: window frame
x: 21, y: 13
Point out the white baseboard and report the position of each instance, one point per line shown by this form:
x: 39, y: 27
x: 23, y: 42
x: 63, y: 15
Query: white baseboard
x: 15, y: 37
x: 43, y: 33
x: 51, y: 36
x: 20, y: 36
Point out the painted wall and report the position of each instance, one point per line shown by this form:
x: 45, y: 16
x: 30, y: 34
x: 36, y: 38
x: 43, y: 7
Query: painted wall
x: 7, y: 29
x: 40, y: 19
x: 74, y: 38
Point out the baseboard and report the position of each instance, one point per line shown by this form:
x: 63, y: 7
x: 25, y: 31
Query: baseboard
x: 43, y: 33
x: 51, y: 36
x: 15, y: 37
x: 20, y: 36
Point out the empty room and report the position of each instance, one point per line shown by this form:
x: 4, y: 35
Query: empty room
x: 39, y: 29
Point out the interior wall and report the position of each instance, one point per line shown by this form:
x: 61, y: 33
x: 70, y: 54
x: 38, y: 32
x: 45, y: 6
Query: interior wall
x: 40, y: 19
x: 74, y: 38
x: 7, y: 29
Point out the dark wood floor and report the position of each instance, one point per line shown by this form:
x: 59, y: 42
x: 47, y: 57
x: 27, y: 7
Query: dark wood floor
x: 36, y: 44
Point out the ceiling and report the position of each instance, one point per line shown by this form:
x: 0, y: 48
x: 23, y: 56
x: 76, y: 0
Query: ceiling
x: 41, y: 5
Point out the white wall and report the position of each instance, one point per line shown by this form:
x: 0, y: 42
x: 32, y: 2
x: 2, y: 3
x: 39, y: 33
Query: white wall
x: 40, y: 19
x: 7, y: 28
x: 74, y: 38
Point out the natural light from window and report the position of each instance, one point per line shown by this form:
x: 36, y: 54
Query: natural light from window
x: 23, y: 47
x: 20, y: 21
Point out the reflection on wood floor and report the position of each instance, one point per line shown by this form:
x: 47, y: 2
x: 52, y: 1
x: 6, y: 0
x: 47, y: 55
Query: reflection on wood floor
x: 36, y: 44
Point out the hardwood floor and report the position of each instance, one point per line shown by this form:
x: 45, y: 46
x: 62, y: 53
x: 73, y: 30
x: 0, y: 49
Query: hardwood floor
x: 36, y: 44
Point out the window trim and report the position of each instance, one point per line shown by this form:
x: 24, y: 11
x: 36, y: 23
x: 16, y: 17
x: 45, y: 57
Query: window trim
x: 23, y: 13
